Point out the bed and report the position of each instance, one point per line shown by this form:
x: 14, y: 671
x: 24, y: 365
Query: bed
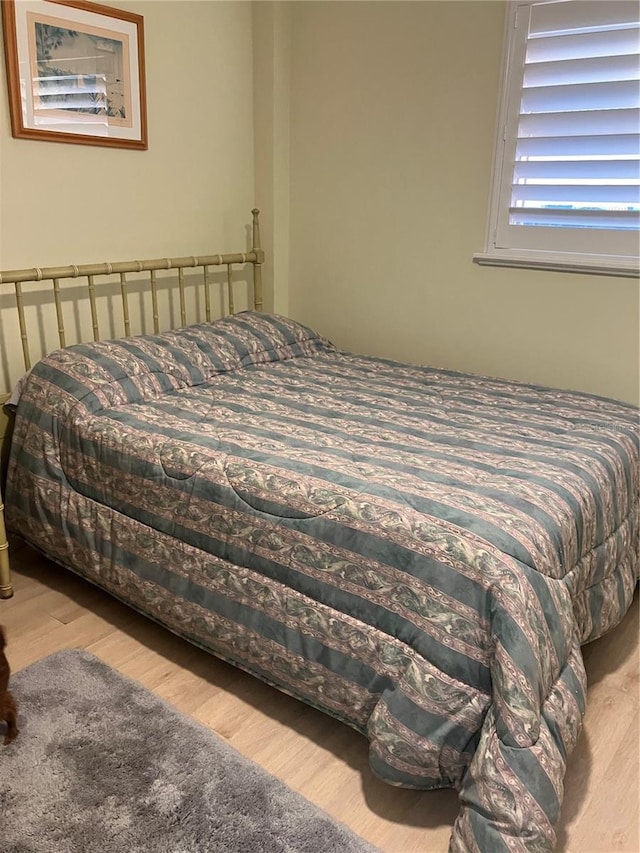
x: 417, y: 552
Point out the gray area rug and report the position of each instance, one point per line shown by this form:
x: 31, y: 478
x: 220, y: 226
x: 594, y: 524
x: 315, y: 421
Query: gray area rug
x: 102, y: 765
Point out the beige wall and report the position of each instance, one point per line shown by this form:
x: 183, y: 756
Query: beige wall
x: 271, y: 77
x: 191, y: 192
x: 194, y: 186
x: 373, y: 127
x: 392, y: 129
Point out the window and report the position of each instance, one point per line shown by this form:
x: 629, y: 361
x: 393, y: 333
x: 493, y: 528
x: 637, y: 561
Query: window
x: 566, y: 180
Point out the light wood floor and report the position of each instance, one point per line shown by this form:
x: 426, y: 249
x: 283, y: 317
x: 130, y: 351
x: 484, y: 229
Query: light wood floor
x: 315, y: 755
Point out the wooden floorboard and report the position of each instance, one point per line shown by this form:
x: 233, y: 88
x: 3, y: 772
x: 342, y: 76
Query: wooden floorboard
x: 314, y: 754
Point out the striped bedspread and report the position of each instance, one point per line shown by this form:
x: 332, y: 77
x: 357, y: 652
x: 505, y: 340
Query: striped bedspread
x: 415, y: 551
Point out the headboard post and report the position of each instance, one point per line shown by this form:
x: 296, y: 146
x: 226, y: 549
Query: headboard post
x: 6, y: 589
x: 257, y: 266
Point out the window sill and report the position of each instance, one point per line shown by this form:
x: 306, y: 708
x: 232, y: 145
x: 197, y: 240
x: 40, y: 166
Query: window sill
x: 561, y: 262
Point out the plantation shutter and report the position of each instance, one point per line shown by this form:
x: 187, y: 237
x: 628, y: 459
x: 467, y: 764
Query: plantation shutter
x: 570, y: 167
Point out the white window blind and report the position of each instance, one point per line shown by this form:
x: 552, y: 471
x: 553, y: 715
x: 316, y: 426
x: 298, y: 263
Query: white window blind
x: 567, y: 169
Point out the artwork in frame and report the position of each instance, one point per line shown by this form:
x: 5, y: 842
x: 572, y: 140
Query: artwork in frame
x: 75, y: 72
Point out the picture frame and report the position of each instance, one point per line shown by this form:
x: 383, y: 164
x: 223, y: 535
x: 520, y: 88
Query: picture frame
x: 75, y: 73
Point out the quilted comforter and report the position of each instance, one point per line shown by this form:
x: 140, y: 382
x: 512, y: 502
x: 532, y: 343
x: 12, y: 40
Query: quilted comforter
x: 418, y: 552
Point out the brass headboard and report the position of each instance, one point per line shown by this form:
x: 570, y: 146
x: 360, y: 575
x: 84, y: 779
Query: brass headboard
x: 93, y: 272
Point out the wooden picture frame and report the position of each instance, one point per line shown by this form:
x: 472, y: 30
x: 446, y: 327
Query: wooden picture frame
x: 75, y: 72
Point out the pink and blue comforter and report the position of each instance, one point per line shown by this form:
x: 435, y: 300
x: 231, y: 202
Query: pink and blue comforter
x: 418, y: 552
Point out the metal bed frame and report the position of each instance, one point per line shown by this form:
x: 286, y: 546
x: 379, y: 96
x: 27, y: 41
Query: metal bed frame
x: 91, y: 272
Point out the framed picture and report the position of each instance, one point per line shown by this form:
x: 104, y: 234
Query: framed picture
x: 75, y: 72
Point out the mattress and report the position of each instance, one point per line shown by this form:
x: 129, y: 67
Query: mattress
x: 418, y: 552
